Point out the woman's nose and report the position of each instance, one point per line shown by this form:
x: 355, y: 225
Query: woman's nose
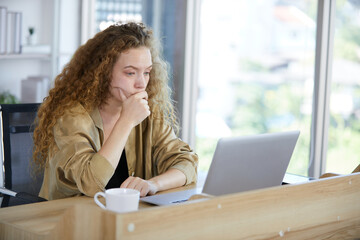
x: 140, y: 82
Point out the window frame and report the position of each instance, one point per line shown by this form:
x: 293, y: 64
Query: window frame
x: 322, y: 86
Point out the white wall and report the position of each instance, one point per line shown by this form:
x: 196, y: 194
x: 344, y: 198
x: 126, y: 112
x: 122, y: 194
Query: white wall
x: 40, y: 14
x: 69, y: 30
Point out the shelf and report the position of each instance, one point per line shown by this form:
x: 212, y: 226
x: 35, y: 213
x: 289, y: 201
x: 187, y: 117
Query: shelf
x: 39, y: 56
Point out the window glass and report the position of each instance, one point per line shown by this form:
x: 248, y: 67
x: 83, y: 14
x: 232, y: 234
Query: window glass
x: 344, y: 128
x: 110, y: 11
x: 256, y: 68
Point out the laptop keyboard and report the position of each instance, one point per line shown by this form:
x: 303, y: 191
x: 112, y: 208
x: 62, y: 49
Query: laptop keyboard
x: 180, y: 201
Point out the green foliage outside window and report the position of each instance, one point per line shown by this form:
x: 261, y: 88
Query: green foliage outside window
x: 275, y: 109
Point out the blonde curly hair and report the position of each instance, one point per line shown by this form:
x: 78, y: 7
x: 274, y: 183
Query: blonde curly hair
x: 86, y: 80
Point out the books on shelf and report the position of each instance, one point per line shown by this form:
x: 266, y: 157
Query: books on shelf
x: 10, y: 31
x: 10, y: 36
x: 3, y: 16
x: 34, y: 89
x: 13, y: 33
x: 18, y: 30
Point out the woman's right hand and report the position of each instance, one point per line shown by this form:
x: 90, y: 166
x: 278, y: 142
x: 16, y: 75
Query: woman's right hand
x: 135, y: 108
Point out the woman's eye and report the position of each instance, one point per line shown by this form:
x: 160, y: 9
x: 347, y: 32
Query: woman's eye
x: 147, y: 73
x: 130, y: 74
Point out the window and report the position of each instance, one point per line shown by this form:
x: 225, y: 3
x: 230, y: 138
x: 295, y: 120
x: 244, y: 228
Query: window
x: 109, y: 12
x: 256, y: 73
x: 343, y: 153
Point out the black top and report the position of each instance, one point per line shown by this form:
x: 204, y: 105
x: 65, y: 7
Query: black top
x: 120, y: 175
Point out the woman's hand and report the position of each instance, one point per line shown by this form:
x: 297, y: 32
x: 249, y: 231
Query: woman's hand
x: 172, y: 178
x: 135, y: 108
x: 143, y: 186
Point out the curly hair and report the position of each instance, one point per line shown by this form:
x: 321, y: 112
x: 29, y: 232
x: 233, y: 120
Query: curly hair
x: 86, y: 80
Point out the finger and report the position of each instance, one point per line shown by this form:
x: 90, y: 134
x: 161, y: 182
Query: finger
x: 141, y: 95
x: 152, y: 188
x: 144, y: 191
x: 143, y: 188
x: 146, y: 105
x: 134, y: 182
x: 140, y: 185
x: 122, y: 94
x: 126, y: 183
x: 145, y: 102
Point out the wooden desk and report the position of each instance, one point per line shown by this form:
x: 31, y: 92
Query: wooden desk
x: 322, y: 209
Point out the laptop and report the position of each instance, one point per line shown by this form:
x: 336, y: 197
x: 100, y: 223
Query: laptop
x: 241, y: 164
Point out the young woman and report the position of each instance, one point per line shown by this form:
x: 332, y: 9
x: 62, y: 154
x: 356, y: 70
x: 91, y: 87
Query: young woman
x: 110, y: 122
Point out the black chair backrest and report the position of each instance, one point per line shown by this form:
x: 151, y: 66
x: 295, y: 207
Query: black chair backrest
x: 17, y: 125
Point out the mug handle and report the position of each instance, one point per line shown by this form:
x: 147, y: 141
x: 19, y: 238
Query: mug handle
x: 96, y: 196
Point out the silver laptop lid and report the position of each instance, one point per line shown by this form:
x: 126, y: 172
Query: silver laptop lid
x: 250, y: 162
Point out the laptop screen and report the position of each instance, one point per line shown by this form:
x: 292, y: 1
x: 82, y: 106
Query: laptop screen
x: 250, y: 162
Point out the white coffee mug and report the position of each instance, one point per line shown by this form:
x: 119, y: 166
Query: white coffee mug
x: 119, y: 200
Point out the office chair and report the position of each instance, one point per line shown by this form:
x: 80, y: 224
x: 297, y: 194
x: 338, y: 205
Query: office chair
x: 17, y: 130
x: 326, y: 175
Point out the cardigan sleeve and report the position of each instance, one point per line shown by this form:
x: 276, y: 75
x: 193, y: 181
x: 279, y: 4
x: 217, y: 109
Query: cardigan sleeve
x: 169, y: 151
x: 76, y: 165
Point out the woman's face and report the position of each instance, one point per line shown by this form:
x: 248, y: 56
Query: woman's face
x: 131, y: 73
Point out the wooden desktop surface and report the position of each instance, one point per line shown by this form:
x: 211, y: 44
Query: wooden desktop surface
x: 321, y: 209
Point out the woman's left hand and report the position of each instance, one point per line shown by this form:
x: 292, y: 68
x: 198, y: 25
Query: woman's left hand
x: 143, y: 186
